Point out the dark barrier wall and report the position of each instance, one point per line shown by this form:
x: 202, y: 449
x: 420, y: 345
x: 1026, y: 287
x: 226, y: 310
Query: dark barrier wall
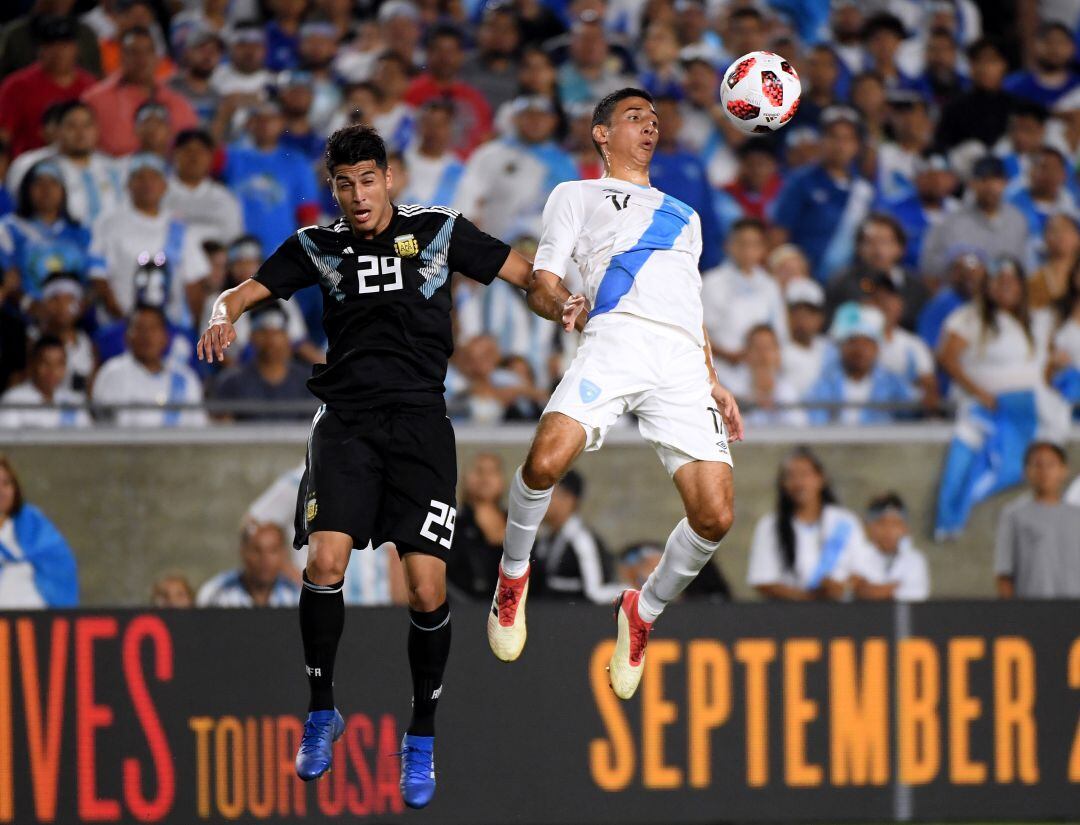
x: 754, y: 712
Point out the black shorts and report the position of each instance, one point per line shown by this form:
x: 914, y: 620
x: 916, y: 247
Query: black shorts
x: 381, y: 475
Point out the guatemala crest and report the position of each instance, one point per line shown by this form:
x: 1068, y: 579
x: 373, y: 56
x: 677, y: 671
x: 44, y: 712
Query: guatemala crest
x: 588, y: 391
x: 406, y: 246
x: 311, y: 509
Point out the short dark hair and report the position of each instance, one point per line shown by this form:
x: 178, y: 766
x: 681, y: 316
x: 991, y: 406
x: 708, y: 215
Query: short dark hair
x: 186, y: 136
x: 1048, y: 26
x: 55, y: 112
x: 983, y: 44
x: 604, y: 110
x: 573, y: 483
x: 135, y: 31
x: 883, y: 219
x: 154, y: 310
x: 1030, y: 109
x: 355, y: 144
x: 445, y: 30
x: 885, y: 501
x: 43, y: 343
x: 1035, y: 446
x: 746, y: 12
x: 749, y: 223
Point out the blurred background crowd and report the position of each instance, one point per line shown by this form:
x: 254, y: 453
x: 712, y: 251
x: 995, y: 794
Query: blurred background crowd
x: 905, y: 250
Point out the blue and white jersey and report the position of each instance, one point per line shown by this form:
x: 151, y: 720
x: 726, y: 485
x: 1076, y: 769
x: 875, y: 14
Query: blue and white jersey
x: 36, y: 250
x: 227, y: 590
x: 637, y: 250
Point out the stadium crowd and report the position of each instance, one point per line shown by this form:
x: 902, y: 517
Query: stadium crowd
x: 905, y: 249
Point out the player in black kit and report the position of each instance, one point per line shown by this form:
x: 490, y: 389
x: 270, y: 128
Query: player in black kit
x: 381, y: 462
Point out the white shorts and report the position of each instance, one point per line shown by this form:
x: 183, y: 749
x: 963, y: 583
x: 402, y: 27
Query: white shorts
x: 658, y: 373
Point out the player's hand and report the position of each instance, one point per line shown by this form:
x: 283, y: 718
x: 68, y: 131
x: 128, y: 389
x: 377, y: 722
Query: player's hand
x: 217, y: 338
x: 573, y: 308
x: 729, y: 408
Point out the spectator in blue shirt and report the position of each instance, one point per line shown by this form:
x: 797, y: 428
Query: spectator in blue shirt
x: 917, y: 212
x: 857, y: 378
x: 966, y: 272
x: 678, y: 172
x: 882, y: 35
x: 820, y: 207
x: 283, y: 34
x: 1044, y: 195
x: 296, y: 97
x: 40, y: 238
x: 941, y: 81
x: 276, y: 186
x: 1053, y: 75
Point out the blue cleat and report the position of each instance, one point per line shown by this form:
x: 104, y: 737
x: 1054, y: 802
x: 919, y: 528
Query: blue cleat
x: 321, y: 730
x: 417, y: 770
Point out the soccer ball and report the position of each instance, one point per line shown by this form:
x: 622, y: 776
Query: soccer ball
x: 760, y: 92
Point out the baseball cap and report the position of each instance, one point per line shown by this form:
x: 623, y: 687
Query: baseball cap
x: 244, y: 248
x: 247, y: 34
x: 531, y: 103
x: 271, y: 316
x: 398, y: 8
x: 318, y: 28
x: 805, y: 291
x: 146, y: 160
x: 931, y: 162
x: 54, y: 28
x: 151, y: 109
x: 839, y: 114
x: 47, y: 167
x: 971, y: 256
x: 853, y: 320
x: 988, y: 166
x: 199, y: 35
x: 293, y: 77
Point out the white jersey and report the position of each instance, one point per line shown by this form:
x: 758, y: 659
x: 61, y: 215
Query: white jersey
x: 637, y: 250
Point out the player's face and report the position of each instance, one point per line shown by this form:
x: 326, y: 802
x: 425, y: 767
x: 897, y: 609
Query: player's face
x: 631, y: 138
x: 362, y: 190
x: 886, y: 531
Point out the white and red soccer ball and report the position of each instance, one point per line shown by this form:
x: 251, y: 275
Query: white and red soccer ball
x: 760, y: 92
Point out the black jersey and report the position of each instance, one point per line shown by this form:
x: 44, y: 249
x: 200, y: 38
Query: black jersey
x: 386, y: 301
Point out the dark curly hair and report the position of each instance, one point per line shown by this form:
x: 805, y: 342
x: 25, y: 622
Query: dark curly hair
x: 355, y: 144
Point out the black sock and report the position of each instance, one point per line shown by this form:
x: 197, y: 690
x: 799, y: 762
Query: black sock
x: 322, y: 617
x: 429, y: 648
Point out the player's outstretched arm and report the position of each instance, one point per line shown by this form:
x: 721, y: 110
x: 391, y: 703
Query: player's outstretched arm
x: 550, y: 299
x: 230, y: 305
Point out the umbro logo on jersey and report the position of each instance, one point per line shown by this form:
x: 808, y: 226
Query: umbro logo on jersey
x: 588, y: 391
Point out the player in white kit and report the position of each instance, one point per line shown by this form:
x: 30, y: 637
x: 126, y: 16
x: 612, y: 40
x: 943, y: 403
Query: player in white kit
x: 643, y: 350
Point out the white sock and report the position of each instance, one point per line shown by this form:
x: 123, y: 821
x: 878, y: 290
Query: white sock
x: 527, y: 508
x: 684, y: 555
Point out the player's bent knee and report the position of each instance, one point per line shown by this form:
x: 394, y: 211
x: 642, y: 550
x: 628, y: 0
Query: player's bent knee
x: 426, y: 596
x: 714, y: 523
x: 542, y: 472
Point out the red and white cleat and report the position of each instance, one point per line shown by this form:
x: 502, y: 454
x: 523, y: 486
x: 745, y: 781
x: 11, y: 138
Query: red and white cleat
x: 628, y: 660
x: 506, y: 621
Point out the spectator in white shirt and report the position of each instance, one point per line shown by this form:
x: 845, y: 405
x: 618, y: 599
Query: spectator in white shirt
x: 144, y: 254
x: 888, y: 566
x: 766, y: 398
x: 802, y: 552
x: 53, y: 405
x: 245, y: 75
x: 806, y: 354
x: 141, y: 377
x: 58, y: 315
x: 739, y: 295
x: 153, y: 130
x: 208, y: 208
x: 902, y: 352
x: 570, y: 562
x: 260, y: 581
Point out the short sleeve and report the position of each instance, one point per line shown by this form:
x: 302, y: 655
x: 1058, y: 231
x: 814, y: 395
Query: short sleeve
x: 475, y: 253
x: 915, y: 585
x: 1005, y: 545
x: 922, y: 357
x: 764, y: 566
x: 562, y: 222
x: 288, y: 270
x: 196, y: 265
x: 963, y: 323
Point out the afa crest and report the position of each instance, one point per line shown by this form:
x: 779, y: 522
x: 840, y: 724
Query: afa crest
x: 311, y: 509
x: 406, y: 246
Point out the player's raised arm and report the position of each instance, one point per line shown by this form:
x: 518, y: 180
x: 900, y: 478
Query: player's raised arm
x: 230, y: 305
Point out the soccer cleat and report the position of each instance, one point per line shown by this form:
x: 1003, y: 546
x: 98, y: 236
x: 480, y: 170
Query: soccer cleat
x: 417, y: 770
x: 628, y: 660
x: 321, y: 730
x: 506, y: 621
